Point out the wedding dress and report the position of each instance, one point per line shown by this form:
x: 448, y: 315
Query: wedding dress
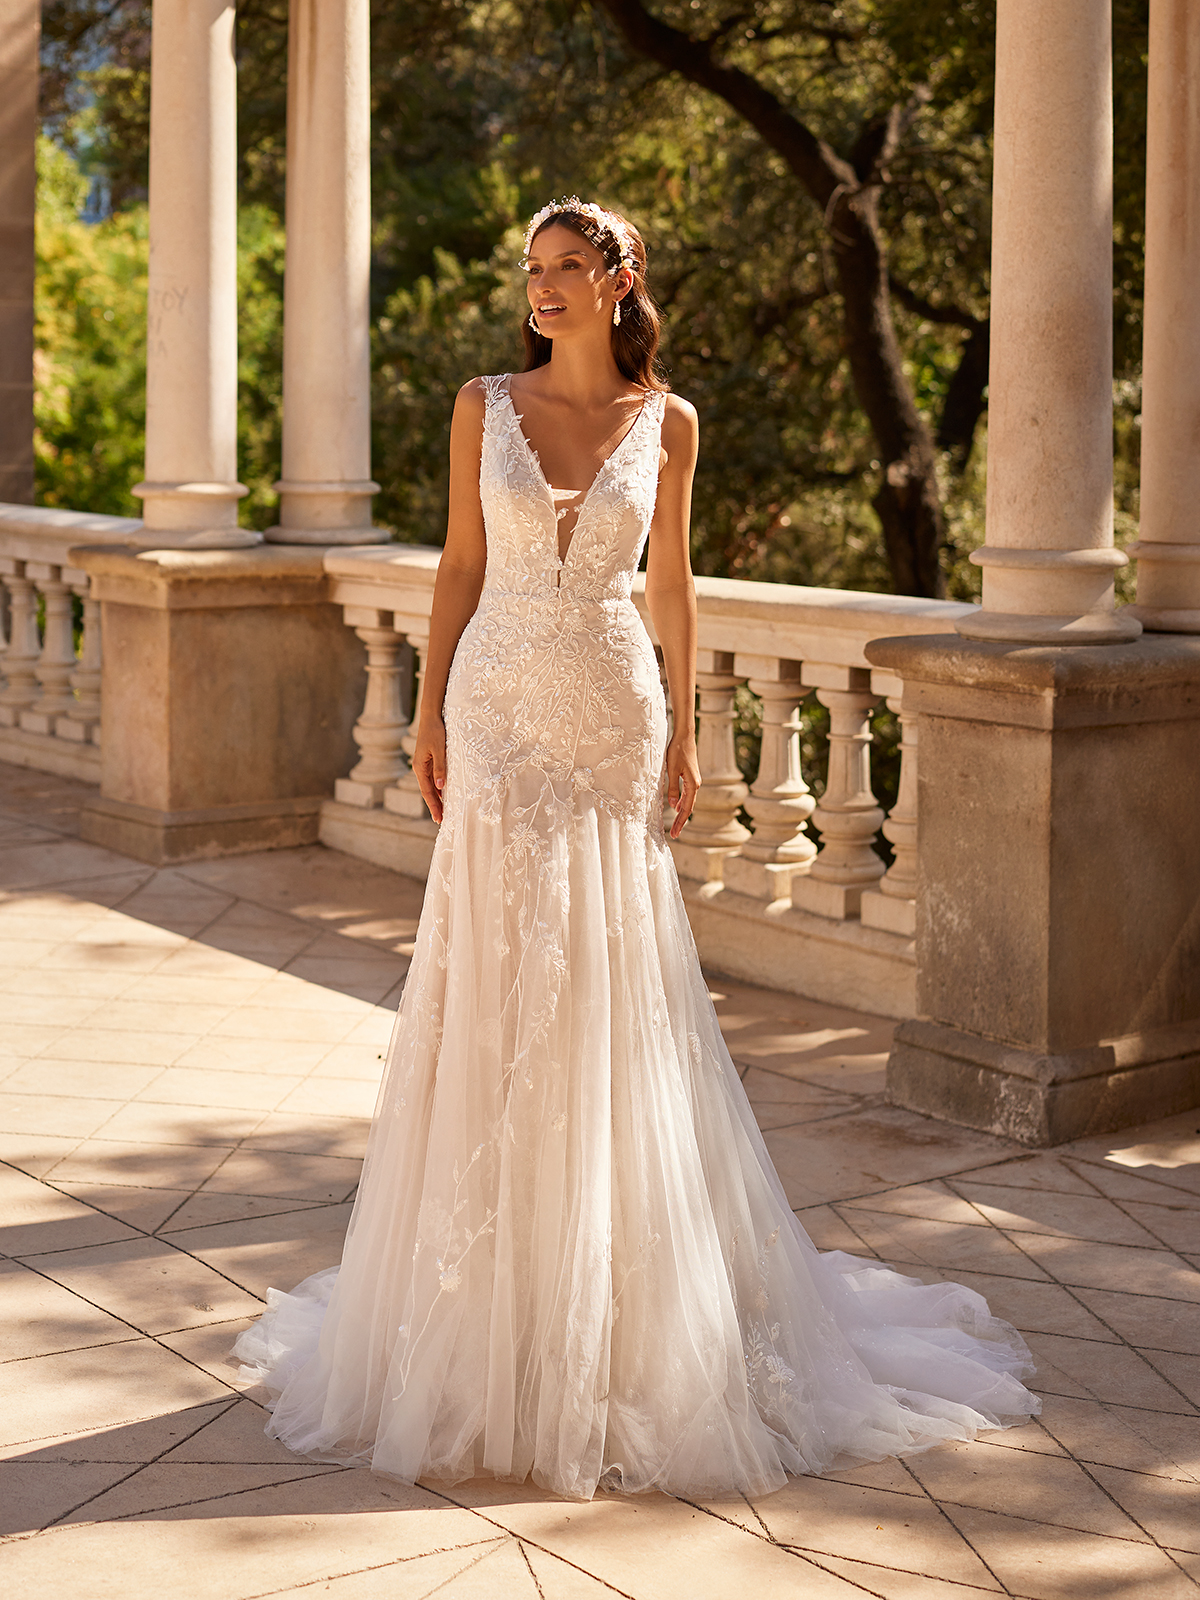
x: 570, y: 1256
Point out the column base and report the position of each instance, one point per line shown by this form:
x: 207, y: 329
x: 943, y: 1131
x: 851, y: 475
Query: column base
x: 366, y: 795
x: 162, y: 837
x: 1011, y: 627
x: 327, y: 536
x: 702, y: 863
x: 198, y: 538
x: 1166, y: 619
x: 1040, y: 1098
x: 763, y: 880
x: 404, y: 799
x: 839, y: 900
x: 889, y: 913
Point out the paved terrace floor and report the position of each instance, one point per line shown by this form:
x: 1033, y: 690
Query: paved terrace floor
x: 188, y: 1063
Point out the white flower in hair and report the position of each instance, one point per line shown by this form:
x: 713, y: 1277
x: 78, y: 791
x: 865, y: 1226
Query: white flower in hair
x: 607, y: 220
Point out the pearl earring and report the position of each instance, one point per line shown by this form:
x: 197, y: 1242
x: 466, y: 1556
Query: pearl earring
x: 616, y: 313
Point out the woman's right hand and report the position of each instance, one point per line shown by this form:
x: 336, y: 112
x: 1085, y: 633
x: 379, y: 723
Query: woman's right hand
x: 429, y: 762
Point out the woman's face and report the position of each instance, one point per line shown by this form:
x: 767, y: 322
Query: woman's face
x: 569, y: 286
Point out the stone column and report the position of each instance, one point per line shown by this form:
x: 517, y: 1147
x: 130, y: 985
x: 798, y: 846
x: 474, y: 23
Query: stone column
x: 1049, y: 560
x: 326, y: 488
x: 18, y: 134
x: 1168, y: 551
x: 191, y: 491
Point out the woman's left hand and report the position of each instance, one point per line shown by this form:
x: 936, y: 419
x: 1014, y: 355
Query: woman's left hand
x: 683, y: 779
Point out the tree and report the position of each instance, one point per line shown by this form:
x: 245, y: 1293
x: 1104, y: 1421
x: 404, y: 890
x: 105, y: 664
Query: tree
x: 846, y: 186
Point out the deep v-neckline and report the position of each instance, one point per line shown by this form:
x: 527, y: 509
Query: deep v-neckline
x: 545, y: 482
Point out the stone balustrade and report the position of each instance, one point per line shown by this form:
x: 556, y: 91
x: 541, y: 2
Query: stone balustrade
x: 50, y: 691
x: 765, y: 901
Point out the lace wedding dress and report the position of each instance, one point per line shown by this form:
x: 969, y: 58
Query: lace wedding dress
x: 571, y: 1257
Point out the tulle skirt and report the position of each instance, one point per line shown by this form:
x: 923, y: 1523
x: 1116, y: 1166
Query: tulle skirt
x: 571, y: 1258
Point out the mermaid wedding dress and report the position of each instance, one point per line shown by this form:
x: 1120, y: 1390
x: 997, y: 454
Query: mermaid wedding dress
x: 570, y: 1256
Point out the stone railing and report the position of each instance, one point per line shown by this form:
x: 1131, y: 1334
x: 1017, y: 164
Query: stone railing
x: 49, y: 692
x: 765, y: 902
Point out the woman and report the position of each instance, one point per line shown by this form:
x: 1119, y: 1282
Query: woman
x: 570, y: 1256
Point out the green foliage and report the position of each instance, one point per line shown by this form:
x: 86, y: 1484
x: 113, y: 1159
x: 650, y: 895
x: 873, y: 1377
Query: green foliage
x: 90, y: 365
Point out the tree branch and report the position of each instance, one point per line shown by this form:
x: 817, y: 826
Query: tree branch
x: 956, y: 316
x: 818, y: 166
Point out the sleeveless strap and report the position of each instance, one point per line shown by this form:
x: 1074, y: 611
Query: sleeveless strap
x: 494, y: 388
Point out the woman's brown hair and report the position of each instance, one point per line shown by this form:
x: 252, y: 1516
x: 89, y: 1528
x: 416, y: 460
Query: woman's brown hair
x: 635, y: 338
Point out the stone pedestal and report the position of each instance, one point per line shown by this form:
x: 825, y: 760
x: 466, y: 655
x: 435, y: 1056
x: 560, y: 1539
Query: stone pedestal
x: 1058, y: 910
x: 231, y: 686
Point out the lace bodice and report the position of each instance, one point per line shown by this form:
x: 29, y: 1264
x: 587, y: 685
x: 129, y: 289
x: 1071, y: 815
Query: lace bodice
x: 519, y: 513
x: 554, y: 679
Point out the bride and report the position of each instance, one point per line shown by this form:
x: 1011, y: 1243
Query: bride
x: 571, y: 1258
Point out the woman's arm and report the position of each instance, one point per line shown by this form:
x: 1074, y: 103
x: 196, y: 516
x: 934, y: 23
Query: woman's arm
x: 456, y: 592
x: 671, y: 597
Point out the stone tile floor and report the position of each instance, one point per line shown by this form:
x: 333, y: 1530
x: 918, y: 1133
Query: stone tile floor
x: 188, y: 1061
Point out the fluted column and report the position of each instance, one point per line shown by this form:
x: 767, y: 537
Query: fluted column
x: 326, y: 488
x: 714, y: 832
x: 779, y: 803
x: 190, y: 495
x: 848, y: 814
x: 1049, y: 560
x: 1168, y: 550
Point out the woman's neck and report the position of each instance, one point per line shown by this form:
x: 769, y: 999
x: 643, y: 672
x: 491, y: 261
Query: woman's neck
x: 582, y: 375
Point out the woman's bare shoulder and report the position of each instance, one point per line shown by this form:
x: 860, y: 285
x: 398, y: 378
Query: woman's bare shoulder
x: 680, y: 413
x: 472, y: 396
x: 680, y: 426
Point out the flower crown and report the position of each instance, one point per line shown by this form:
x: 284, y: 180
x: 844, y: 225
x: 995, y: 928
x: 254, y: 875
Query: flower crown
x: 607, y: 221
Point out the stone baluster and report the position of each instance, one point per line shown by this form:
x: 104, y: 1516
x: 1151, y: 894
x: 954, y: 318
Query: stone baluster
x: 848, y: 814
x: 82, y: 723
x: 714, y: 831
x: 892, y: 906
x: 404, y: 796
x: 57, y: 660
x: 779, y: 802
x: 379, y: 731
x: 24, y: 647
